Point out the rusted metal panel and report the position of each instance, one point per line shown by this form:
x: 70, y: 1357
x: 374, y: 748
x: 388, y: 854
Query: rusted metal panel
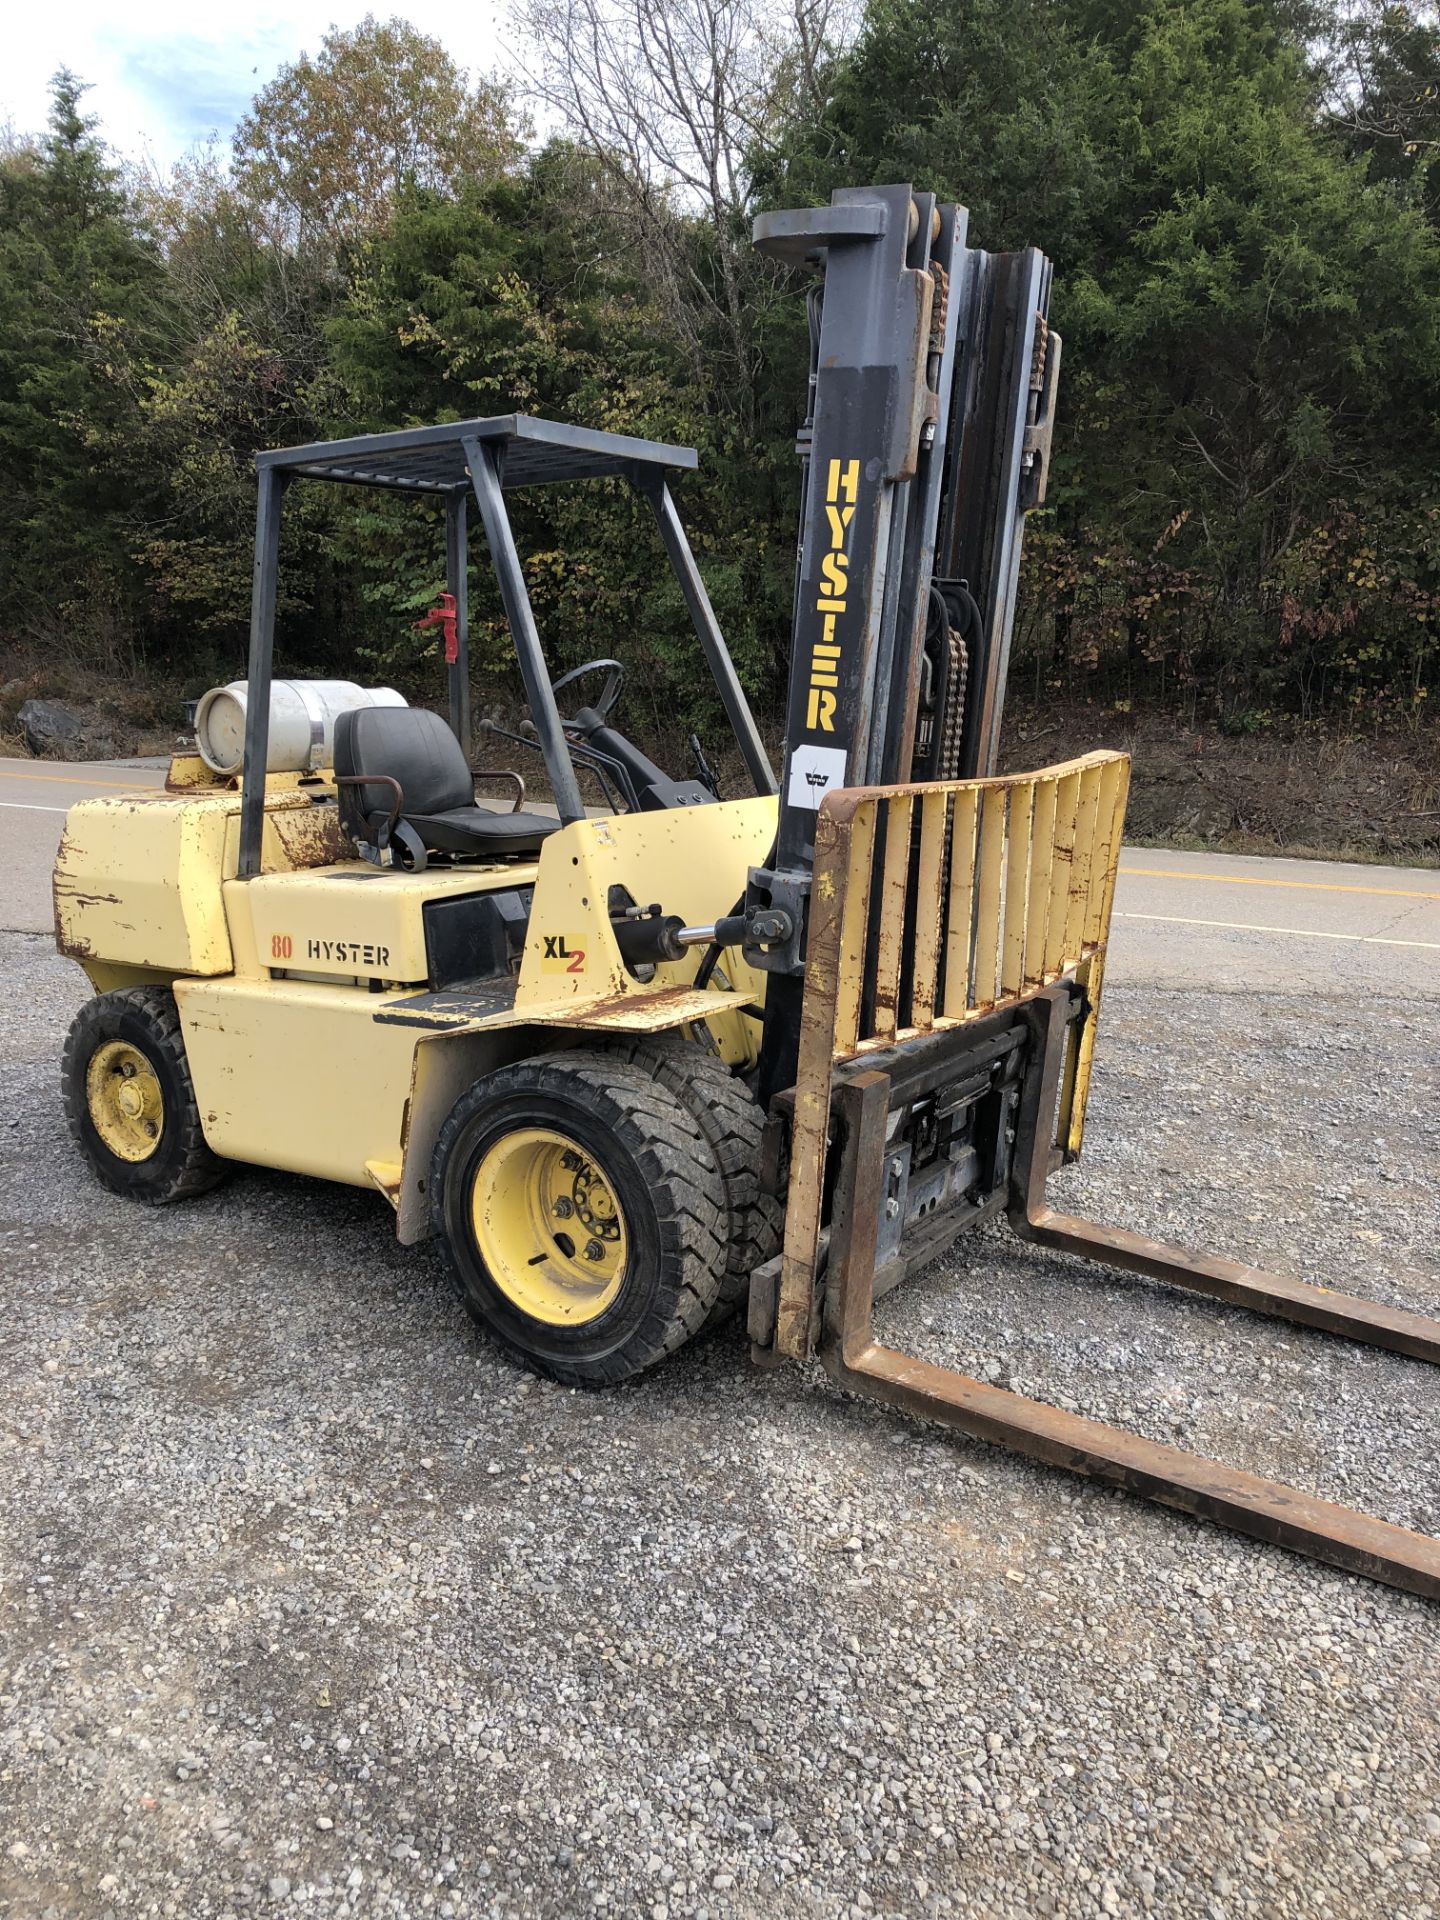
x: 1115, y: 786
x: 1017, y: 890
x: 307, y: 837
x: 961, y: 905
x: 988, y: 880
x: 656, y: 1012
x: 1062, y: 860
x: 1082, y: 864
x: 890, y: 946
x: 824, y: 1027
x: 187, y: 771
x: 850, y: 883
x: 1042, y: 858
x: 929, y: 906
x: 570, y: 948
x: 137, y: 883
x: 1087, y: 976
x: 862, y: 1106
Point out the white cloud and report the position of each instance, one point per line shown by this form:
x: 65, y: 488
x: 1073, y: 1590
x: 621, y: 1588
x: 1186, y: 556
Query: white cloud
x: 165, y: 75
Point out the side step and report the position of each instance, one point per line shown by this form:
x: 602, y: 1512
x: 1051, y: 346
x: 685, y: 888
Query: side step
x: 1264, y: 1509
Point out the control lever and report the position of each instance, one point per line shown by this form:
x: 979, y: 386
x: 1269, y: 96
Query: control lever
x: 708, y: 776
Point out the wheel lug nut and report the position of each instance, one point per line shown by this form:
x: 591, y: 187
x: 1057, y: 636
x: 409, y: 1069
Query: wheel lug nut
x: 594, y: 1250
x: 564, y: 1208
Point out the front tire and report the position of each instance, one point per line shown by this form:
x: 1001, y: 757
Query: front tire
x: 581, y: 1212
x: 129, y: 1099
x: 727, y: 1115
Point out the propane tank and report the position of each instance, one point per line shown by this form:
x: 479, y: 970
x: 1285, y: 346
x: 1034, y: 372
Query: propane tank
x: 302, y: 722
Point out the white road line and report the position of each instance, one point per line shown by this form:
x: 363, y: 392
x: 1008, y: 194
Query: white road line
x: 1291, y: 933
x: 26, y: 806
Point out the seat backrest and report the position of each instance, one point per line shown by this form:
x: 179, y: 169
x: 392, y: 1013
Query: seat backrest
x: 411, y: 745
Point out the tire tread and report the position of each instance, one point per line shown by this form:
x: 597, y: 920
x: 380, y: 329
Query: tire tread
x: 722, y: 1107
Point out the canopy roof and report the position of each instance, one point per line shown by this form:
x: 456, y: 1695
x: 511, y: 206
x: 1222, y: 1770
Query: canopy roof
x: 432, y: 459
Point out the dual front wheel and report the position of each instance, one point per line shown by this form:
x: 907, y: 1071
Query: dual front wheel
x: 597, y: 1209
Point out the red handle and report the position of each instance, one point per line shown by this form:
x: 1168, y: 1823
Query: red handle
x: 443, y: 615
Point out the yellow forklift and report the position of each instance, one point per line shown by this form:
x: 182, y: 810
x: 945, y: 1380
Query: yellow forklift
x: 656, y: 1056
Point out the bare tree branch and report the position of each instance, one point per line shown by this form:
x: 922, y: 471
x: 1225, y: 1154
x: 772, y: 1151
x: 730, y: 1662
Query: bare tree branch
x: 676, y: 100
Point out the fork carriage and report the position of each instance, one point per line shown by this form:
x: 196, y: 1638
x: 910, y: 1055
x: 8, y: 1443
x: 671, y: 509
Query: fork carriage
x: 956, y: 959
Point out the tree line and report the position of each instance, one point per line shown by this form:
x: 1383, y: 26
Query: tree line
x: 1241, y: 199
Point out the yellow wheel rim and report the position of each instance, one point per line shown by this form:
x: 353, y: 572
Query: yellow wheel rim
x: 127, y: 1108
x: 548, y: 1227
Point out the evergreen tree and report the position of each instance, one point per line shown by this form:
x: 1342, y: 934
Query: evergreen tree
x: 1250, y: 304
x: 83, y: 318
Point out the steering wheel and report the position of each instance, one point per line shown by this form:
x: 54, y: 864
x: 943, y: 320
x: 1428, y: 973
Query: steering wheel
x: 609, y: 692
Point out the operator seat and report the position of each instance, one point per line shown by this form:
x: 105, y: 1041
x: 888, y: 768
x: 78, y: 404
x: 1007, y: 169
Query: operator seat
x: 423, y: 783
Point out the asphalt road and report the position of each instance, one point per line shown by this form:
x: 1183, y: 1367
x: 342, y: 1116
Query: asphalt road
x: 312, y: 1604
x: 1220, y: 920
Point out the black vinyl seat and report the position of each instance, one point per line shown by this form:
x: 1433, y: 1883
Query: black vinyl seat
x: 423, y: 783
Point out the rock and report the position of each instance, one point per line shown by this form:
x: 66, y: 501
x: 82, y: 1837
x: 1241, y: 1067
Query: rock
x: 48, y: 728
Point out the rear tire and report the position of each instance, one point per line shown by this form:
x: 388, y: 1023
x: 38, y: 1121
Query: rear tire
x: 734, y: 1126
x: 129, y: 1099
x: 571, y: 1158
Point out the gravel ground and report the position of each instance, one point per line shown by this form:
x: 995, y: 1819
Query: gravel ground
x: 309, y: 1602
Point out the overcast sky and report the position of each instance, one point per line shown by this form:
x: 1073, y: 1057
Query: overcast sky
x: 166, y: 74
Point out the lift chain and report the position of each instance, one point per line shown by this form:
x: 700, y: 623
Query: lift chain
x: 1037, y: 358
x: 939, y: 306
x: 952, y: 721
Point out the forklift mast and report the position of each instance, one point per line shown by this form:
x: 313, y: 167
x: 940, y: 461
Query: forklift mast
x: 932, y: 383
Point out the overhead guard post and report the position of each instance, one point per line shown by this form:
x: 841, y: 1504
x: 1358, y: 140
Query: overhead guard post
x: 707, y: 631
x: 269, y: 493
x: 457, y: 581
x: 485, y: 478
